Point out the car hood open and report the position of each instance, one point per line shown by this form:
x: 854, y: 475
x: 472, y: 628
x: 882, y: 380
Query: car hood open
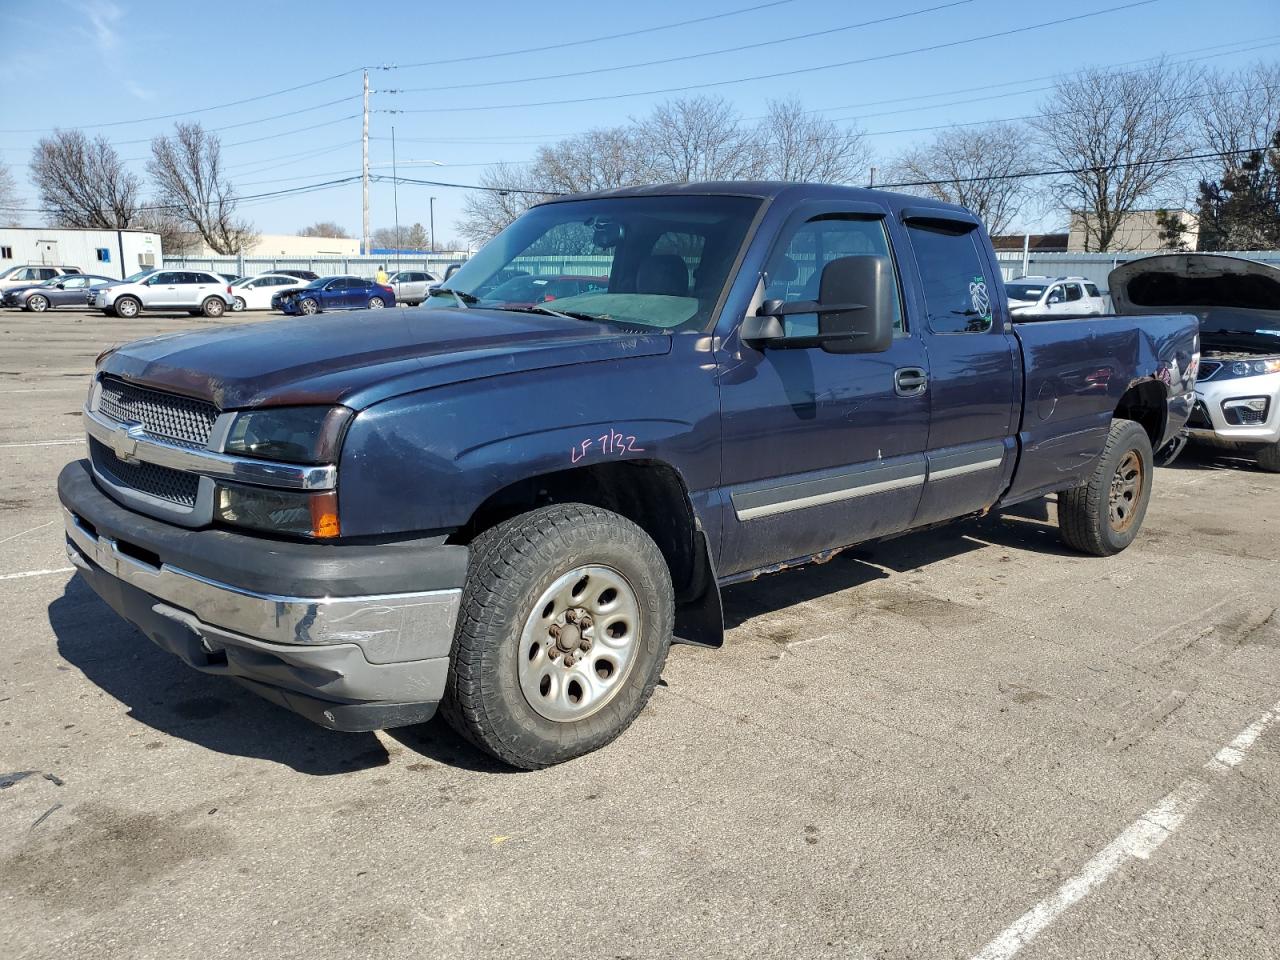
x: 1236, y: 300
x: 361, y: 358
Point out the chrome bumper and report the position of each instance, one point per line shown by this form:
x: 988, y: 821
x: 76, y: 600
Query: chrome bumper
x: 1214, y: 394
x: 389, y: 628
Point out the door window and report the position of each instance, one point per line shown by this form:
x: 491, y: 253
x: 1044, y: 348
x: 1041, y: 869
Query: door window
x: 1073, y: 292
x: 45, y: 273
x: 954, y: 275
x: 74, y: 283
x: 794, y: 270
x: 1091, y: 290
x: 165, y: 279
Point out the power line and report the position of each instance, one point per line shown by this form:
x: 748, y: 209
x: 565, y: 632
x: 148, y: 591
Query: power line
x: 782, y: 73
x: 543, y: 48
x: 688, y: 56
x: 250, y: 123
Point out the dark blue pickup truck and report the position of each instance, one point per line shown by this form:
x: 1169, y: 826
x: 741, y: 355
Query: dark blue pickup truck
x: 508, y: 510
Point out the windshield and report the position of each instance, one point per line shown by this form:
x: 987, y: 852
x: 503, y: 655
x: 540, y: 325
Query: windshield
x: 317, y: 283
x: 1024, y: 291
x: 659, y: 262
x: 140, y: 275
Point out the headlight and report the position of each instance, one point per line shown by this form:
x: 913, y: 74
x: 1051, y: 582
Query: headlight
x: 291, y: 434
x: 1253, y: 368
x: 278, y: 511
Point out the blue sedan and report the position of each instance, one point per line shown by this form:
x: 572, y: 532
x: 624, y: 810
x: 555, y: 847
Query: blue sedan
x: 337, y: 293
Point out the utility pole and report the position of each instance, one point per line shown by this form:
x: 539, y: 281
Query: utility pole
x: 364, y: 145
x: 431, y: 203
x: 872, y: 182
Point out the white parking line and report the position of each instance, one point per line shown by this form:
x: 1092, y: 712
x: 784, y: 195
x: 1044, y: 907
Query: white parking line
x: 23, y: 533
x: 35, y: 573
x: 44, y: 443
x: 1138, y: 841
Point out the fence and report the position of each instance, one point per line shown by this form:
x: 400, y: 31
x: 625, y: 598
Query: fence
x: 1092, y: 266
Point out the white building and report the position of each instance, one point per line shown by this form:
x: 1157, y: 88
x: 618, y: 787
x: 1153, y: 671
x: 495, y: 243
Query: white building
x: 108, y: 253
x: 288, y: 245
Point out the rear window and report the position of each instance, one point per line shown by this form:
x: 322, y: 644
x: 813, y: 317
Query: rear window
x: 953, y: 271
x: 1091, y: 290
x: 1024, y: 291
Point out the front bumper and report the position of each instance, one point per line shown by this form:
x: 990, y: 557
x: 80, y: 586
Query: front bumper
x: 352, y: 637
x: 1211, y: 396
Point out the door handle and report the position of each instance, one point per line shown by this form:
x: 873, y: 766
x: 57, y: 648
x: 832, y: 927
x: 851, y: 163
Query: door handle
x: 910, y: 381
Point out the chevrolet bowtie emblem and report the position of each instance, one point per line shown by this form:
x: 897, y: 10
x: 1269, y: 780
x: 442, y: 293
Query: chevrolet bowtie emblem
x: 124, y: 443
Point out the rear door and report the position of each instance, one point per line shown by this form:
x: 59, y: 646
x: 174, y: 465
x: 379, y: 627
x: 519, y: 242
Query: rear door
x: 975, y: 372
x: 821, y: 450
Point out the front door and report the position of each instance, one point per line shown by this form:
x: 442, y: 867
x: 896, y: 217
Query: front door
x: 821, y: 450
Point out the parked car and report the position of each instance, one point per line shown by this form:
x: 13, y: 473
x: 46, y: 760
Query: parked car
x: 338, y: 293
x: 1048, y: 298
x: 28, y: 274
x: 818, y: 366
x: 257, y: 293
x: 307, y: 275
x: 411, y: 285
x: 527, y: 290
x: 194, y: 291
x: 229, y: 277
x: 1238, y: 304
x: 69, y: 289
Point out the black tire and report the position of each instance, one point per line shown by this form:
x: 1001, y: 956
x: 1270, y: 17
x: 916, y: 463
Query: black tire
x: 511, y: 566
x: 127, y: 307
x: 1269, y: 458
x: 213, y: 307
x: 38, y: 303
x: 1093, y: 520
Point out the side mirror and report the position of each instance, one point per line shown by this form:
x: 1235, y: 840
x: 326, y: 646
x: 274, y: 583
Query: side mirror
x: 854, y: 308
x: 865, y: 287
x: 1054, y: 298
x: 60, y: 286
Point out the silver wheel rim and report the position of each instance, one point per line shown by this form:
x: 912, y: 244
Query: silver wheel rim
x: 238, y: 305
x: 215, y: 308
x: 127, y: 309
x: 579, y: 644
x: 375, y: 304
x: 38, y: 304
x: 308, y: 306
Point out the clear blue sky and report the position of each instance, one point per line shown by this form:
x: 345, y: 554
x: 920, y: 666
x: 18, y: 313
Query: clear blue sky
x: 83, y: 62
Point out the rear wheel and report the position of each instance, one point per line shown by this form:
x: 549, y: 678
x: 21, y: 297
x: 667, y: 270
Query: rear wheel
x: 565, y: 625
x: 1104, y: 515
x: 238, y: 305
x: 38, y: 302
x: 128, y: 307
x: 375, y: 303
x: 1269, y: 458
x: 213, y: 307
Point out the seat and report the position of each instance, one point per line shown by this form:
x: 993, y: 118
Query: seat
x: 663, y: 274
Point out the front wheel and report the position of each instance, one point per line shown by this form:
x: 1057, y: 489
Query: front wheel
x: 128, y: 307
x: 1269, y: 458
x: 1104, y: 515
x: 309, y: 306
x: 38, y: 303
x: 565, y: 624
x: 375, y: 303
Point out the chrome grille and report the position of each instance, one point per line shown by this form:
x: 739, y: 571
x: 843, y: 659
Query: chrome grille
x: 165, y: 415
x: 175, y: 486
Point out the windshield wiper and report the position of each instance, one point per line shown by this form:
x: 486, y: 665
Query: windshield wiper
x: 562, y: 314
x: 463, y: 298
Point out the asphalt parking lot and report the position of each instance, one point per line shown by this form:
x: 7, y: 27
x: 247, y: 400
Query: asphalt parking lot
x: 967, y: 742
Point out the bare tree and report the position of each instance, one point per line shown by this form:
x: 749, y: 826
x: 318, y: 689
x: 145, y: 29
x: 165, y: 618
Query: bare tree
x: 793, y: 144
x: 971, y: 166
x: 83, y: 182
x: 187, y: 170
x: 176, y: 236
x: 509, y: 190
x: 324, y: 228
x: 405, y: 238
x: 1117, y: 131
x: 693, y: 139
x: 9, y: 202
x: 1237, y: 113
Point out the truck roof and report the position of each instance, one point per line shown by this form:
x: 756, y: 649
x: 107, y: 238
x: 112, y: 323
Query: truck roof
x: 774, y: 189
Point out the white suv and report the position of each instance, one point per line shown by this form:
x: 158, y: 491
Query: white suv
x: 1051, y: 297
x: 31, y: 274
x: 196, y: 292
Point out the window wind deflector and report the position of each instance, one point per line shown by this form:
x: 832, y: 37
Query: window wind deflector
x: 952, y: 221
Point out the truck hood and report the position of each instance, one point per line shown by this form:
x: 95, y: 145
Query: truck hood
x: 361, y: 358
x: 1237, y: 301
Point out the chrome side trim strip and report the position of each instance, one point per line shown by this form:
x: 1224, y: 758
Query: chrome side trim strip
x: 130, y: 443
x: 389, y: 627
x: 832, y: 496
x: 966, y: 468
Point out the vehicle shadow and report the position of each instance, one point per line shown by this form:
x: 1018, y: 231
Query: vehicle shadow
x: 163, y: 693
x: 1201, y: 457
x: 1026, y: 526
